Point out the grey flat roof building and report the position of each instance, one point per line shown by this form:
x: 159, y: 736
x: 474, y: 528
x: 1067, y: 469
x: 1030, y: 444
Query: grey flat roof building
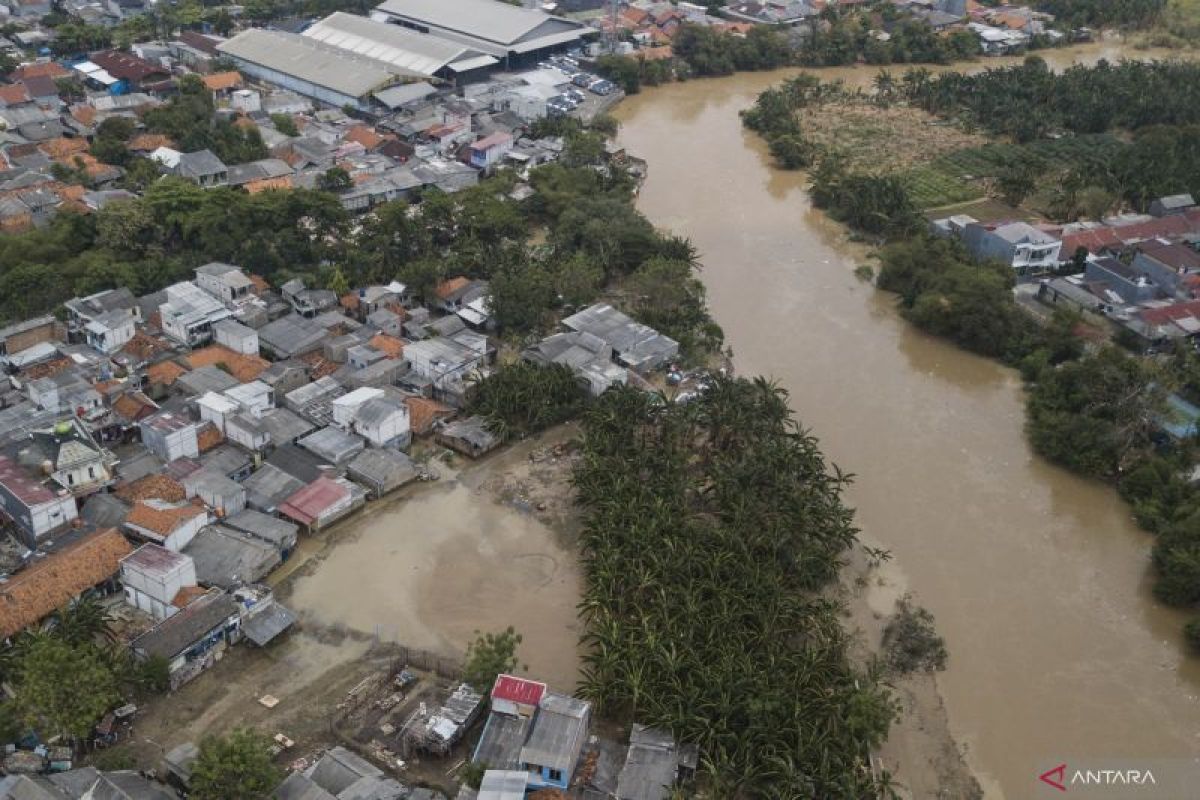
x: 229, y: 558
x: 302, y: 64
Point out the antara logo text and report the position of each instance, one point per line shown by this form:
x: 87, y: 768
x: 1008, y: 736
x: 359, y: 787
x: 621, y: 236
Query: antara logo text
x: 1062, y: 777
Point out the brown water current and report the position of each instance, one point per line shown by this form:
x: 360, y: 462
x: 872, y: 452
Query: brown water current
x: 1038, y: 580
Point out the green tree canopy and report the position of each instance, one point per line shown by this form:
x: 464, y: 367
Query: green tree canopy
x: 237, y: 766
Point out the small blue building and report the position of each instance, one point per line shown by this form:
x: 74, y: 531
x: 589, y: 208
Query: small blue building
x: 556, y: 741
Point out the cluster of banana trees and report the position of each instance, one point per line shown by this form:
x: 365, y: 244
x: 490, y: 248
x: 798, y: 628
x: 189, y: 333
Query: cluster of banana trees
x: 710, y: 531
x: 522, y: 398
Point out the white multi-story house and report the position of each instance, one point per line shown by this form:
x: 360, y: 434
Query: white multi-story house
x: 189, y: 314
x: 153, y: 576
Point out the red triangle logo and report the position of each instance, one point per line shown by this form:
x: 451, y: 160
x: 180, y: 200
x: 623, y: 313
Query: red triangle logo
x: 1055, y: 777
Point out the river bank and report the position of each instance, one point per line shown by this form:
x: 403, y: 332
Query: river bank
x: 1038, y: 579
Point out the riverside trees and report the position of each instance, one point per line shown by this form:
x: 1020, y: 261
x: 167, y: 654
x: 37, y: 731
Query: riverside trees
x: 710, y: 529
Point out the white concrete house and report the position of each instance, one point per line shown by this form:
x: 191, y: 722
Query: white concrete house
x: 170, y: 436
x: 255, y: 398
x: 345, y: 408
x: 171, y: 525
x: 189, y: 314
x: 216, y: 408
x: 225, y: 282
x: 237, y: 337
x: 110, y: 332
x: 33, y: 508
x: 383, y: 423
x: 153, y: 576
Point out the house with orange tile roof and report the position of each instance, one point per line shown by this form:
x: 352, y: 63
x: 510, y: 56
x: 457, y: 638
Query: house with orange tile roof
x: 164, y: 373
x: 153, y: 487
x: 149, y: 142
x: 13, y: 95
x: 47, y: 69
x: 52, y: 582
x: 222, y: 82
x: 244, y: 368
x: 133, y: 407
x: 172, y: 525
x: 63, y: 147
x: 364, y: 135
x: 269, y: 184
x: 390, y: 346
x: 424, y: 413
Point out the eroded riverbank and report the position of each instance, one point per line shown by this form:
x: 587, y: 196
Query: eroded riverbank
x: 1038, y: 579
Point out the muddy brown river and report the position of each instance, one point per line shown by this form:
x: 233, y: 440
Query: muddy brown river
x: 1038, y: 579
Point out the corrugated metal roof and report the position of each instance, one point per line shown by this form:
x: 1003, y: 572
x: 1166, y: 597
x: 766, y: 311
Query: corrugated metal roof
x: 311, y: 61
x: 486, y: 19
x: 408, y: 51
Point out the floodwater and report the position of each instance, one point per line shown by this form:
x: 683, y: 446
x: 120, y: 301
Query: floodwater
x: 435, y: 566
x: 1038, y: 579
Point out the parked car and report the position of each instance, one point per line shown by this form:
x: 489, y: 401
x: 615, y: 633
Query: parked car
x: 583, y: 80
x: 576, y: 95
x: 601, y: 86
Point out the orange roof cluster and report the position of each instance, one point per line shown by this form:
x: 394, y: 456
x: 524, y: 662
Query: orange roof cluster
x: 390, y: 346
x: 49, y: 584
x: 244, y: 368
x: 268, y: 184
x: 134, y: 405
x: 153, y: 487
x: 62, y: 147
x: 164, y: 372
x: 364, y: 135
x: 46, y: 369
x: 162, y: 521
x: 423, y: 412
x: 44, y: 69
x: 450, y: 286
x: 149, y: 142
x: 143, y: 346
x: 222, y: 81
x: 186, y: 595
x: 318, y: 365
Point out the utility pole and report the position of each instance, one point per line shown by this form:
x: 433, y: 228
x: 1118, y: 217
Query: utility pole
x: 614, y: 36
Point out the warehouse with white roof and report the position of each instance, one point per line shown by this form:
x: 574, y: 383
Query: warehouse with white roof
x: 518, y: 36
x: 409, y: 52
x: 309, y: 67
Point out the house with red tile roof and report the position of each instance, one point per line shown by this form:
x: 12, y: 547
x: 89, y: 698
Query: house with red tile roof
x: 172, y: 525
x: 48, y: 584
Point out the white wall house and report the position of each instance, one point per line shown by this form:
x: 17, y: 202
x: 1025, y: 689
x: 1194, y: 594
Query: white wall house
x: 172, y: 525
x: 34, y: 509
x: 250, y: 433
x: 110, y: 332
x: 237, y: 337
x: 216, y: 408
x: 153, y: 575
x: 345, y: 408
x: 254, y: 398
x: 383, y: 423
x: 189, y: 314
x: 170, y: 436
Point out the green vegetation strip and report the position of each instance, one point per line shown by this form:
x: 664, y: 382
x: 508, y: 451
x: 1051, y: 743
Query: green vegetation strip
x: 710, y: 531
